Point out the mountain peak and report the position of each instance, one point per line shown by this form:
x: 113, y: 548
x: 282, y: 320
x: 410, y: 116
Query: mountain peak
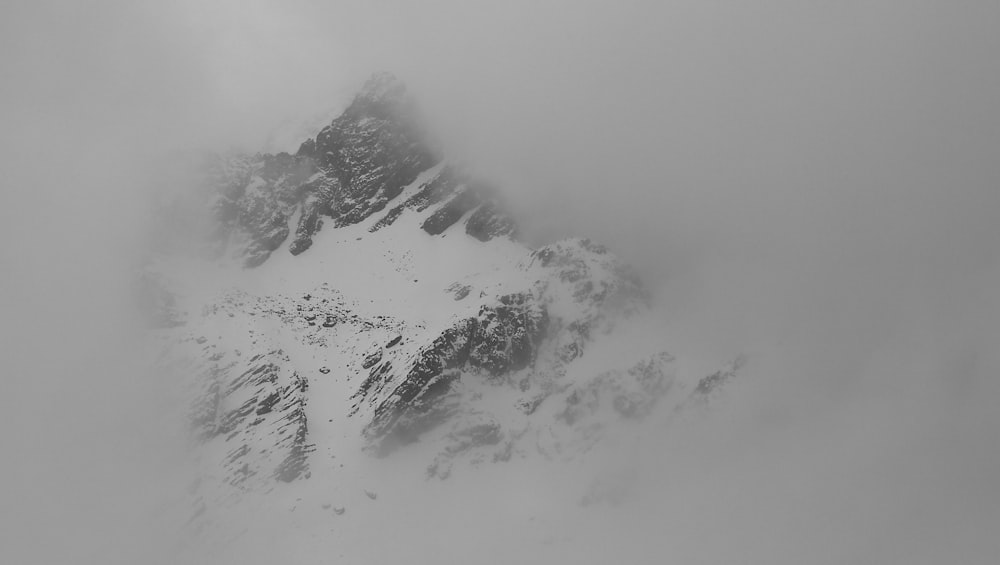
x: 372, y: 164
x: 416, y: 326
x: 383, y: 96
x: 380, y: 85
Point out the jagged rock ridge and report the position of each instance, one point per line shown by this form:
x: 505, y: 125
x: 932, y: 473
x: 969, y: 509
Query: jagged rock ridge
x: 353, y: 169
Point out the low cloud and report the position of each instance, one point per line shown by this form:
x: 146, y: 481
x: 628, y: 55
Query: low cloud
x: 813, y: 185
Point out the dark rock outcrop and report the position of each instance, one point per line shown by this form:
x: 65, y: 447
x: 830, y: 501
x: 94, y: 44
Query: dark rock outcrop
x: 244, y: 402
x: 428, y: 379
x: 374, y: 149
x: 451, y: 212
x: 310, y: 222
x: 501, y: 339
x: 508, y: 335
x: 489, y: 222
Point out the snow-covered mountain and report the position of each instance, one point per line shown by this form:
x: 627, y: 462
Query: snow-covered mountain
x: 368, y: 315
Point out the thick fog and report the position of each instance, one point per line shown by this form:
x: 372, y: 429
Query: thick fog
x: 813, y: 184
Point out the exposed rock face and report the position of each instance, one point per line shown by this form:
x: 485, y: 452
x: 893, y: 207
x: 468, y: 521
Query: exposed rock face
x: 501, y: 339
x: 256, y: 409
x: 489, y: 222
x: 443, y: 186
x: 508, y: 335
x: 373, y: 150
x: 309, y: 223
x: 451, y: 212
x: 255, y: 198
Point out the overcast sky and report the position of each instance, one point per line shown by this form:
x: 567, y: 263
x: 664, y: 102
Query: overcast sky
x: 814, y: 183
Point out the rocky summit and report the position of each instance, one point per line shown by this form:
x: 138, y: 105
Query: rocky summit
x: 352, y: 170
x: 369, y: 307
